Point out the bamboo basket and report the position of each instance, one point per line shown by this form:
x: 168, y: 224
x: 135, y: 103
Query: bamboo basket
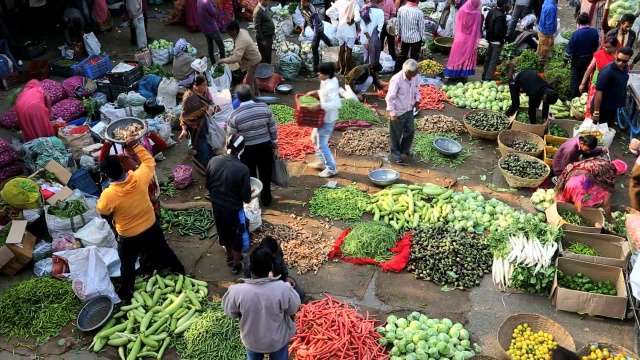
x: 536, y: 323
x: 577, y: 113
x: 613, y: 349
x: 505, y: 137
x: 518, y: 182
x: 483, y: 134
x: 482, y: 357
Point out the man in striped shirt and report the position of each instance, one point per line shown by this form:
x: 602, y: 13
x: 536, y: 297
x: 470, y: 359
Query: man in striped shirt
x: 255, y: 122
x: 312, y: 19
x: 410, y: 31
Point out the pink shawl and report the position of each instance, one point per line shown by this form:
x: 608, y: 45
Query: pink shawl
x: 100, y: 10
x: 467, y: 33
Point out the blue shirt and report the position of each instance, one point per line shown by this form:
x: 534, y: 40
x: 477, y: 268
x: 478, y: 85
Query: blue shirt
x: 548, y: 23
x: 613, y: 83
x: 583, y: 42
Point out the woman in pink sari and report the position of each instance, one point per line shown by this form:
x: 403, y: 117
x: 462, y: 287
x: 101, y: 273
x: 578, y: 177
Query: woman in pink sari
x: 463, y: 57
x: 102, y: 16
x: 32, y: 107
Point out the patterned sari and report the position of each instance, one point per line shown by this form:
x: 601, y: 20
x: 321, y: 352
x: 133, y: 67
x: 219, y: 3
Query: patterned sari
x: 587, y: 182
x: 194, y: 110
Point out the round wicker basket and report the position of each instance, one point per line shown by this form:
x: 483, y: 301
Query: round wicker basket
x: 518, y: 182
x: 507, y: 136
x: 482, y: 357
x: 482, y: 134
x: 613, y: 349
x: 579, y: 115
x: 536, y: 323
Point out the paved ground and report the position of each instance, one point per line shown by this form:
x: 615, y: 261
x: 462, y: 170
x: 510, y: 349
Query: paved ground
x: 482, y: 309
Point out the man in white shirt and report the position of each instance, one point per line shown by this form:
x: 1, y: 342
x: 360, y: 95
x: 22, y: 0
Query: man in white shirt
x: 347, y: 12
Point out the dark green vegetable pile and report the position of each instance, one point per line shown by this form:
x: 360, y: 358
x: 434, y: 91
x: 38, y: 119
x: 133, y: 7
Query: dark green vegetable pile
x: 482, y: 51
x: 523, y: 117
x: 37, y: 308
x: 4, y: 233
x: 581, y: 249
x: 523, y: 168
x: 370, y: 240
x: 343, y: 203
x: 573, y: 218
x: 558, y: 74
x: 423, y: 146
x: 190, y: 222
x: 528, y: 60
x: 523, y: 145
x: 157, y: 69
x: 566, y: 34
x: 283, y: 114
x: 67, y: 209
x: 487, y: 120
x: 13, y: 95
x: 581, y: 282
x: 355, y: 110
x: 45, y: 175
x: 217, y: 71
x: 508, y: 51
x: 556, y: 130
x: 448, y: 257
x: 523, y: 278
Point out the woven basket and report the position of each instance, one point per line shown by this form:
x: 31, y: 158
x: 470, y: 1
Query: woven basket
x: 518, y: 182
x: 577, y: 113
x: 482, y: 134
x: 536, y: 323
x: 613, y: 349
x: 482, y: 357
x: 505, y: 137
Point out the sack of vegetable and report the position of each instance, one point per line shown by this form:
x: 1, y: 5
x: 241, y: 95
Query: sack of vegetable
x: 221, y: 77
x: 22, y: 193
x: 69, y: 216
x: 9, y: 120
x: 290, y: 65
x: 161, y: 52
x: 54, y: 90
x: 67, y: 110
x: 97, y: 233
x: 75, y: 141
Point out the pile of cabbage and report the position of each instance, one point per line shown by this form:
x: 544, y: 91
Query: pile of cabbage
x: 419, y: 338
x: 621, y: 7
x: 479, y: 95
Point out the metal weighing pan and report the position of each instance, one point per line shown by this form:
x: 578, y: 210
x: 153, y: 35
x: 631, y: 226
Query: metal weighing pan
x: 122, y: 122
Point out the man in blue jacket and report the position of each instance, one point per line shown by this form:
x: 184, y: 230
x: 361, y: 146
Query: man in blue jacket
x: 582, y: 44
x: 547, y: 28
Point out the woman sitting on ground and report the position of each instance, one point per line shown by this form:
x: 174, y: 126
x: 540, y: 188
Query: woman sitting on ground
x: 182, y: 70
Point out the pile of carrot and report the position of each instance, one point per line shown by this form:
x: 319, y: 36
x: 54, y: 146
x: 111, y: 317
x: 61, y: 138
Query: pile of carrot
x: 432, y: 98
x: 332, y: 329
x: 294, y: 142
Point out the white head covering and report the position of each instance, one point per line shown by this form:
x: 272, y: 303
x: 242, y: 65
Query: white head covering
x: 199, y: 65
x: 527, y: 21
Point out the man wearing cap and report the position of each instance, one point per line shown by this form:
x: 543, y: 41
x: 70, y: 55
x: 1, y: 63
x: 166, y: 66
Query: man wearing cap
x: 227, y: 180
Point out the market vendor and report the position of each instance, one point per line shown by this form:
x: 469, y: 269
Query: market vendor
x: 536, y: 88
x: 73, y: 22
x: 127, y: 201
x: 362, y: 76
x: 246, y: 54
x: 227, y: 180
x: 182, y: 61
x: 571, y: 150
x: 634, y: 181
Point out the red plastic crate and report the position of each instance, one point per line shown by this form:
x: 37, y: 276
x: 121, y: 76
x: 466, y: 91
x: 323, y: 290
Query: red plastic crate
x: 306, y: 117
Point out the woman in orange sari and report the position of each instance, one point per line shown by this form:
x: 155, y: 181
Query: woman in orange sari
x: 601, y: 58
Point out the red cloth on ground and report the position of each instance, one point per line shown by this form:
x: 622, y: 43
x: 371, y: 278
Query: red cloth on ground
x: 191, y: 15
x: 33, y: 112
x: 396, y: 264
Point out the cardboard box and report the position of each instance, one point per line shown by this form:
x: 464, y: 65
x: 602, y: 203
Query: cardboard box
x: 612, y: 250
x: 589, y: 303
x: 594, y: 216
x: 63, y: 175
x: 18, y: 250
x: 568, y: 125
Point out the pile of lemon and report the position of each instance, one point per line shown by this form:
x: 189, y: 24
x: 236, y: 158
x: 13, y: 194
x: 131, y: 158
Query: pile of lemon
x: 529, y: 345
x: 597, y: 354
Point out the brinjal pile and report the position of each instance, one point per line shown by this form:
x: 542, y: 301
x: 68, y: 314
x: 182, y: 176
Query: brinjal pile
x: 523, y: 145
x: 448, y: 257
x: 488, y: 120
x: 523, y: 167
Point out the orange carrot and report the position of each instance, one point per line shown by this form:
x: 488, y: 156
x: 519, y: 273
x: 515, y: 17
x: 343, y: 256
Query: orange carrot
x: 432, y: 98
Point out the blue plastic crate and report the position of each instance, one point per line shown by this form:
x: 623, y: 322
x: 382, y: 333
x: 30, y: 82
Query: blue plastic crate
x: 95, y: 70
x: 82, y: 181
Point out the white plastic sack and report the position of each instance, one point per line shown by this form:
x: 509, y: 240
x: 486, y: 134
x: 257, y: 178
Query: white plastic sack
x: 108, y: 255
x: 298, y: 19
x: 222, y: 82
x: 161, y: 56
x: 90, y: 276
x: 91, y: 44
x: 588, y: 125
x: 167, y: 91
x: 97, y: 233
x: 559, y: 39
x: 347, y: 93
x: 43, y: 267
x: 253, y: 213
x: 110, y: 112
x: 58, y: 226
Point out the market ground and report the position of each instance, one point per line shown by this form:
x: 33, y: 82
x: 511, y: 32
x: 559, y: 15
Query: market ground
x: 482, y: 309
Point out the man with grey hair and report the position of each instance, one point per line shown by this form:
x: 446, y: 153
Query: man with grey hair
x: 402, y: 97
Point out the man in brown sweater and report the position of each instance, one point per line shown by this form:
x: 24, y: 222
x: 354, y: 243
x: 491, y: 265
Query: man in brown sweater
x: 265, y: 29
x: 246, y: 54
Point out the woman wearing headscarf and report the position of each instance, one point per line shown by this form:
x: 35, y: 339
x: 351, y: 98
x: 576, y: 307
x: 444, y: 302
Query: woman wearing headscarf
x: 525, y: 37
x: 463, y: 58
x: 371, y: 23
x: 102, y: 16
x: 32, y: 107
x: 182, y: 69
x: 601, y: 58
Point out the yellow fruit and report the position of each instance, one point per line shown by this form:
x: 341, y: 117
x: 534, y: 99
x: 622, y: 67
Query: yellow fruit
x: 593, y: 348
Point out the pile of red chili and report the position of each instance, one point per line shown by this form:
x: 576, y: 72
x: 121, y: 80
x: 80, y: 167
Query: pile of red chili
x: 94, y: 60
x: 432, y: 98
x: 332, y: 329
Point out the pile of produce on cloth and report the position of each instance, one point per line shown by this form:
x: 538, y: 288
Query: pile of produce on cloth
x: 434, y: 124
x: 355, y: 110
x: 332, y: 329
x: 161, y: 307
x: 523, y: 117
x: 559, y: 76
x: 302, y: 249
x: 364, y: 142
x: 542, y: 199
x: 619, y: 226
x: 582, y: 249
x: 581, y: 282
x: 526, y: 342
x: 37, y: 308
x: 168, y: 189
x: 294, y: 142
x: 580, y: 103
x: 342, y: 203
x: 527, y: 60
x: 423, y: 146
x: 560, y: 110
x: 432, y: 98
x: 211, y: 336
x: 67, y: 209
x: 160, y: 44
x: 573, y: 218
x: 604, y: 353
x: 523, y: 167
x: 283, y: 114
x: 157, y: 69
x: 522, y: 145
x: 508, y: 51
x: 430, y: 67
x: 557, y: 131
x: 370, y: 240
x: 449, y: 257
x: 488, y: 121
x: 190, y: 222
x: 526, y: 243
x: 419, y: 337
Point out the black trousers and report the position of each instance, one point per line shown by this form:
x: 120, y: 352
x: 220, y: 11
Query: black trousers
x: 259, y: 160
x: 211, y: 38
x: 534, y: 102
x: 315, y: 48
x: 264, y: 46
x: 609, y: 116
x: 391, y: 41
x: 408, y: 50
x: 579, y: 65
x: 157, y: 253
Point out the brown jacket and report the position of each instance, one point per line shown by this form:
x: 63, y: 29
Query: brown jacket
x: 246, y: 53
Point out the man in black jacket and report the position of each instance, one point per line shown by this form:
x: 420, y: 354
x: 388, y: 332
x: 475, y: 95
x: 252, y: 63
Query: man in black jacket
x: 496, y: 27
x: 265, y: 29
x: 536, y: 88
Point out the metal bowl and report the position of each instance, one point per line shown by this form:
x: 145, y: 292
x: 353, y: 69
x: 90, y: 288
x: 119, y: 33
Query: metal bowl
x: 384, y: 177
x: 447, y: 146
x: 284, y: 88
x: 443, y: 44
x: 255, y: 183
x: 264, y: 71
x: 122, y: 122
x: 267, y: 99
x: 95, y: 313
